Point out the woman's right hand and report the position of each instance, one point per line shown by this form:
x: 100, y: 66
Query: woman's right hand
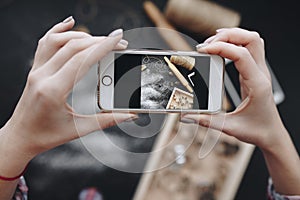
x: 256, y: 120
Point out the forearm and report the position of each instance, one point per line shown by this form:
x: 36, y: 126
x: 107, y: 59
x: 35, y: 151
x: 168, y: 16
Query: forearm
x: 7, y: 189
x: 284, y: 165
x: 13, y: 161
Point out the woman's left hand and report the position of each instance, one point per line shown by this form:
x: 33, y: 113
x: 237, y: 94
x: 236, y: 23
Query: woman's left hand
x: 43, y: 119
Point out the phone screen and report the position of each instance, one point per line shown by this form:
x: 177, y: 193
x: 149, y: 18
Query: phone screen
x: 148, y: 82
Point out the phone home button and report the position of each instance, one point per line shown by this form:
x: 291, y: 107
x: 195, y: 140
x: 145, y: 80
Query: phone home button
x: 106, y: 80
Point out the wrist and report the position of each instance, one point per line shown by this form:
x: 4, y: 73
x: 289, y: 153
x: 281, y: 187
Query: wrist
x: 283, y: 164
x: 272, y: 134
x: 14, y: 154
x: 278, y: 139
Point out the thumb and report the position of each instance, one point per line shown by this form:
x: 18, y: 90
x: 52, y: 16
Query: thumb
x: 220, y: 121
x: 89, y: 123
x: 106, y: 120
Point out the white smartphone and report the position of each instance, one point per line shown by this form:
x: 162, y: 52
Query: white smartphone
x: 160, y: 81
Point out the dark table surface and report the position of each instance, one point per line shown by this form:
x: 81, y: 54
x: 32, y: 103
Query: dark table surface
x: 24, y: 22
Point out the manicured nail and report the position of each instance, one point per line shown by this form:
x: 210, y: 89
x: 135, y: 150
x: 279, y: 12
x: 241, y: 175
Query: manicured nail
x: 204, y: 123
x: 68, y: 19
x: 132, y: 118
x: 187, y: 120
x: 201, y: 45
x: 116, y: 33
x: 208, y: 40
x: 123, y: 42
x: 220, y: 30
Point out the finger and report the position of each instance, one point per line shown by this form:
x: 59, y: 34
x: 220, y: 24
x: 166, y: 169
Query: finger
x: 51, y: 43
x: 211, y: 38
x: 73, y: 47
x: 236, y: 36
x: 243, y: 60
x: 222, y: 121
x: 79, y: 64
x: 90, y: 123
x: 249, y: 39
x: 229, y: 123
x: 69, y: 50
x: 121, y: 45
x: 63, y: 26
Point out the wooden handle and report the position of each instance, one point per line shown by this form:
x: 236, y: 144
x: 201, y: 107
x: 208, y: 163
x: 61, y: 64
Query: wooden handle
x: 199, y: 16
x: 179, y: 75
x: 166, y: 30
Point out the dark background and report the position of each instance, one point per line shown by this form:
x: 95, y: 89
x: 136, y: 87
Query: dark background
x: 24, y: 22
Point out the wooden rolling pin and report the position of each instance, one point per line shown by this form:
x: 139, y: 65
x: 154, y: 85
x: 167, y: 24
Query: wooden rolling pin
x: 180, y: 77
x: 201, y: 16
x: 166, y: 30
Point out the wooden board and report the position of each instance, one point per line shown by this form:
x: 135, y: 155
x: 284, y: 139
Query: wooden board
x: 216, y: 176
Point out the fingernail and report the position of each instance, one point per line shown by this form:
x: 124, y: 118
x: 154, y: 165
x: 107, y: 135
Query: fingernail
x: 132, y: 118
x: 68, y: 19
x: 208, y: 40
x: 123, y: 42
x: 220, y: 30
x: 204, y: 123
x: 201, y: 45
x: 187, y: 120
x: 116, y: 33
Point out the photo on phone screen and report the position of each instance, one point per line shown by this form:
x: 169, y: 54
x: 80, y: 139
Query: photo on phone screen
x: 151, y: 81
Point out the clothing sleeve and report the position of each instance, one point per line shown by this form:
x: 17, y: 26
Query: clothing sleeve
x: 273, y: 195
x: 21, y: 190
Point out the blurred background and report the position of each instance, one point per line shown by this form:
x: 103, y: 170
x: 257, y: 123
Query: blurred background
x: 24, y: 22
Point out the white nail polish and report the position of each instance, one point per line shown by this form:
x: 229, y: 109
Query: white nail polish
x: 131, y: 119
x: 123, y: 42
x: 220, y: 30
x: 201, y: 45
x: 68, y: 19
x: 187, y: 120
x: 116, y: 33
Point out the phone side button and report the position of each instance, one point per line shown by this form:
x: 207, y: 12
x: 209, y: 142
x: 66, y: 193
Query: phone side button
x: 106, y: 80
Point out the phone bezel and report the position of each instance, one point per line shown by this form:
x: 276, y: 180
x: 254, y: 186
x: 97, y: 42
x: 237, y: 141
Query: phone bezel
x: 215, y: 92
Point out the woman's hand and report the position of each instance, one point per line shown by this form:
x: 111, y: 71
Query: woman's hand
x: 43, y: 119
x: 256, y: 120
